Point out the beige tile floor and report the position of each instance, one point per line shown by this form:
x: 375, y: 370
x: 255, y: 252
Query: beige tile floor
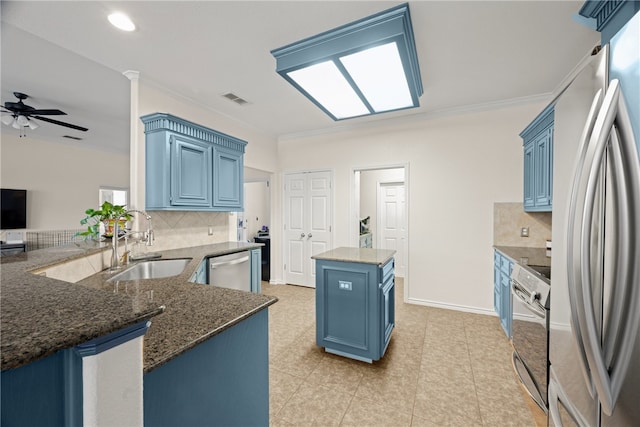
x: 442, y: 368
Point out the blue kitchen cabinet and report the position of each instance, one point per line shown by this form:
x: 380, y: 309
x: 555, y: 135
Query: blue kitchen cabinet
x: 223, y: 381
x: 50, y: 391
x: 47, y: 392
x: 609, y: 16
x: 256, y: 270
x: 191, y: 172
x: 355, y: 308
x: 191, y: 167
x: 538, y: 163
x: 228, y: 185
x: 502, y: 302
x: 200, y: 275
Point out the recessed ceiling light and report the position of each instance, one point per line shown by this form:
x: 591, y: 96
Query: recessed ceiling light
x: 121, y: 21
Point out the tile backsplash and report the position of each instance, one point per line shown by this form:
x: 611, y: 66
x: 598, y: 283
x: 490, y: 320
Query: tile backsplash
x: 175, y: 229
x: 508, y: 220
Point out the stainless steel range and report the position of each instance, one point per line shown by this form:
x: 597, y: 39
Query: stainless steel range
x: 530, y: 287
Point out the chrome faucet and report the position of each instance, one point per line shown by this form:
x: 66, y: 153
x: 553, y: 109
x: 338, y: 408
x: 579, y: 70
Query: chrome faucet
x: 148, y: 236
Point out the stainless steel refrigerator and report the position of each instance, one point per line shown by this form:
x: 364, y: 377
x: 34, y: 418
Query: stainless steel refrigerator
x: 594, y: 341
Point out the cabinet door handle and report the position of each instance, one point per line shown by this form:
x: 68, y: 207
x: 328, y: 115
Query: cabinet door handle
x: 310, y: 235
x: 302, y: 235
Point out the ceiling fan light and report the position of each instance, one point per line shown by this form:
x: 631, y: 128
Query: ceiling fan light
x: 121, y: 21
x: 22, y: 121
x: 33, y: 125
x: 7, y: 120
x: 15, y: 124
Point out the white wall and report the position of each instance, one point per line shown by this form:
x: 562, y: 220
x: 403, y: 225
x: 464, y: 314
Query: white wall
x: 261, y: 148
x: 62, y: 180
x: 458, y: 167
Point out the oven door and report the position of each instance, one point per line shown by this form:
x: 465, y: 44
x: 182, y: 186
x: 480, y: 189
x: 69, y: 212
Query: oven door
x: 529, y: 328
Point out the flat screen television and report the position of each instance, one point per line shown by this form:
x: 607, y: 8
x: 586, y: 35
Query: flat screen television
x: 13, y: 209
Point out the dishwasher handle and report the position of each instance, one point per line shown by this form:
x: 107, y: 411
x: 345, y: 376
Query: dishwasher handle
x: 527, y: 299
x: 213, y: 265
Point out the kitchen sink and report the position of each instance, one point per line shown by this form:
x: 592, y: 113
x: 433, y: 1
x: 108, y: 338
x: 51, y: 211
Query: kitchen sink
x: 155, y: 269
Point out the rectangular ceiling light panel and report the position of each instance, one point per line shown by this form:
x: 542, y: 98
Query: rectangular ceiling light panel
x: 328, y: 86
x: 366, y: 67
x: 379, y: 74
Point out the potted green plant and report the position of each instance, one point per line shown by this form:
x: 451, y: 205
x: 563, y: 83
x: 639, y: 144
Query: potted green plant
x: 107, y: 214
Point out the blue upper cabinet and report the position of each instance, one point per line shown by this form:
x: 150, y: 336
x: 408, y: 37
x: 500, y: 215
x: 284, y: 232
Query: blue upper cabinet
x: 227, y: 189
x: 191, y: 172
x: 609, y: 16
x: 538, y: 163
x: 191, y: 167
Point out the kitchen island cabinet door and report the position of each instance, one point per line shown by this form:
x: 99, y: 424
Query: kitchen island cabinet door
x: 354, y: 308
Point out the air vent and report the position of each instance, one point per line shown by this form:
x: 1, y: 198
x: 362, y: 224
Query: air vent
x: 235, y: 98
x: 72, y: 137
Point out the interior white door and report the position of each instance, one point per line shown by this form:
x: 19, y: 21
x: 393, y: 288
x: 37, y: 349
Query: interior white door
x: 391, y: 222
x: 307, y: 224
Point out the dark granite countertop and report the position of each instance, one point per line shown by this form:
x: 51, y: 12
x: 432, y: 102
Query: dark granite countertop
x: 534, y: 256
x: 361, y: 255
x: 41, y: 315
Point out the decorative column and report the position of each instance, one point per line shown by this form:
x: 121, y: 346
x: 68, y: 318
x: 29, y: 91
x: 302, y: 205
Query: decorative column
x: 136, y: 192
x: 112, y: 372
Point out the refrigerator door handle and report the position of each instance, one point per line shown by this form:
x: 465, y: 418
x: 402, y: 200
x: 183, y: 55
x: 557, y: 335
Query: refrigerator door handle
x: 626, y: 175
x: 557, y: 396
x: 573, y: 244
x: 554, y: 412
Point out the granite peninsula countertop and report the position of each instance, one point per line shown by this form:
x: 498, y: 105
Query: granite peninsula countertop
x: 534, y: 256
x: 41, y: 315
x: 361, y: 255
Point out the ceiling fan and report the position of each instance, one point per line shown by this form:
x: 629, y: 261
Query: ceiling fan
x: 21, y: 115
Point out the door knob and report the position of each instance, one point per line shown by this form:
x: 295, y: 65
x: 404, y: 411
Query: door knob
x: 302, y: 235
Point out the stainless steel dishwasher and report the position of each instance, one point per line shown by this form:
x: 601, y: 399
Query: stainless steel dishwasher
x: 231, y: 271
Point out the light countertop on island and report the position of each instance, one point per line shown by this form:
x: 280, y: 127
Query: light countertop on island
x: 360, y: 255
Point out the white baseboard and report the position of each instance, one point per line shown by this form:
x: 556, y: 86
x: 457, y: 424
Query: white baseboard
x: 448, y: 306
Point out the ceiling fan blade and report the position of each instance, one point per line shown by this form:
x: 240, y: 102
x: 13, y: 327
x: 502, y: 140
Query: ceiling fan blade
x: 56, y: 122
x: 51, y: 112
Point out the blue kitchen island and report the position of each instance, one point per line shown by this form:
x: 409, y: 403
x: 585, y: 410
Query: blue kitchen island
x: 355, y: 297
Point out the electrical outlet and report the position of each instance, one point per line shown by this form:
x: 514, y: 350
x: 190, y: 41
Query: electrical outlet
x: 346, y: 286
x: 524, y: 232
x: 210, y: 231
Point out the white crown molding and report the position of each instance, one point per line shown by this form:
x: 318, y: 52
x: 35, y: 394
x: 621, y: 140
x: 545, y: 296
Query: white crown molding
x: 422, y: 116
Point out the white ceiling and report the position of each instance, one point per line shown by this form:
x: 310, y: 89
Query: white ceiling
x: 65, y: 55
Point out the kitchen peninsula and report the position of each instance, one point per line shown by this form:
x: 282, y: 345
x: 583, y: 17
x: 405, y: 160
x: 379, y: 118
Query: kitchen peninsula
x: 355, y: 297
x: 51, y: 329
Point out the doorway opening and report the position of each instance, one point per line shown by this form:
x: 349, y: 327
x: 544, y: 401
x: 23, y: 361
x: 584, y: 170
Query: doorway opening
x: 255, y: 220
x: 380, y: 212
